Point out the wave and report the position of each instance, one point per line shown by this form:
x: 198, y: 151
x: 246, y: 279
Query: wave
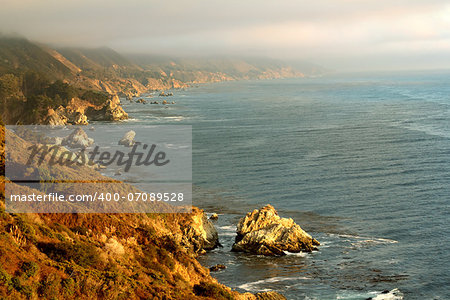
x: 175, y: 118
x: 227, y: 227
x: 227, y: 230
x: 253, y: 286
x: 132, y: 120
x: 394, y: 294
x: 227, y: 234
x: 433, y: 129
x: 429, y: 130
x: 300, y: 254
x: 368, y: 239
x: 173, y: 146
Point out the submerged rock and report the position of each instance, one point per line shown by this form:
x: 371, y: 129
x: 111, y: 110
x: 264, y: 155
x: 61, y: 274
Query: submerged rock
x: 77, y: 139
x: 264, y: 232
x: 128, y: 139
x: 164, y: 94
x: 217, y: 267
x: 143, y: 101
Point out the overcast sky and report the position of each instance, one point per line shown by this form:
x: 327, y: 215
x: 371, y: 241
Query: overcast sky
x: 339, y: 34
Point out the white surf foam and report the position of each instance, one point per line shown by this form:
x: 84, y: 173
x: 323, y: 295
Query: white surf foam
x: 369, y: 239
x: 300, y: 254
x: 253, y: 286
x: 228, y: 227
x: 394, y: 294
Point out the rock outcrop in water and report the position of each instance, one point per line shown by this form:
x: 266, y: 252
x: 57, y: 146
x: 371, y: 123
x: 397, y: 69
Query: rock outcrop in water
x: 128, y: 139
x: 77, y: 139
x: 264, y: 232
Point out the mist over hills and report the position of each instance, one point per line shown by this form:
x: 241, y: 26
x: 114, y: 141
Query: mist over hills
x: 54, y: 85
x: 102, y: 68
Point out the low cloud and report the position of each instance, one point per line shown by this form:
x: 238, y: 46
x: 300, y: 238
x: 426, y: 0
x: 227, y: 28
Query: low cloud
x: 331, y: 33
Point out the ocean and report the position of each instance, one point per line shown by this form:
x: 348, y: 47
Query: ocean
x: 359, y: 161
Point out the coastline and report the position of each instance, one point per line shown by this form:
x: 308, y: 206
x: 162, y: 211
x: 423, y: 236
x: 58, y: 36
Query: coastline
x: 105, y: 244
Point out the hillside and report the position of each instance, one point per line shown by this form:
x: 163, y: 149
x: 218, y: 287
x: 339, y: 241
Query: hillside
x: 18, y: 55
x: 42, y: 84
x: 100, y: 256
x: 207, y: 69
x: 104, y: 69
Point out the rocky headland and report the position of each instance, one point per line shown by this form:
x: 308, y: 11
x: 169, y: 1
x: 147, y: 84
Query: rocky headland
x: 102, y: 256
x: 113, y: 256
x: 80, y: 112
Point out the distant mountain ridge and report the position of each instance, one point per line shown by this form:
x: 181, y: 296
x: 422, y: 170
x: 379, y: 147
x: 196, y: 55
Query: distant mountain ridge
x: 104, y: 69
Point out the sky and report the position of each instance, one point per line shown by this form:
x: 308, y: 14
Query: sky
x: 345, y: 35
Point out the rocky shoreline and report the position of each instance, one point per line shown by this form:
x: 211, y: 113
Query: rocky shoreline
x: 79, y: 112
x: 159, y: 250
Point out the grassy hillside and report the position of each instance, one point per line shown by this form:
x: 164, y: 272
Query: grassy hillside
x: 107, y: 70
x: 18, y: 55
x: 98, y: 256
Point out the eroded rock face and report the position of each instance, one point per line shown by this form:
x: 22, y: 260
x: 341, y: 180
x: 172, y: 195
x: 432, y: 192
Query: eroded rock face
x: 200, y: 232
x: 56, y: 117
x: 263, y: 232
x: 111, y: 111
x: 77, y: 118
x: 79, y: 111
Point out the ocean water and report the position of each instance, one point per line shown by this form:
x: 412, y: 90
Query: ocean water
x: 361, y: 162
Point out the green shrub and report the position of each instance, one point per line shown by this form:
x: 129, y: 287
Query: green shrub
x: 62, y: 228
x: 49, y: 287
x: 5, y: 278
x: 80, y: 230
x: 46, y: 231
x: 23, y: 289
x: 68, y: 286
x: 29, y: 269
x: 97, y: 98
x: 82, y: 254
x: 60, y: 237
x: 27, y: 230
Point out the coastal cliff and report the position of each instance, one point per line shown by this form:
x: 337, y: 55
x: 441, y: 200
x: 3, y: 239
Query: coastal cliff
x: 102, y: 256
x: 104, y: 69
x: 113, y: 256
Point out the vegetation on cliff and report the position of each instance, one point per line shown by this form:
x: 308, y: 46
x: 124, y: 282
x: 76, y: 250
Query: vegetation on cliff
x: 27, y: 97
x: 101, y: 256
x: 113, y: 256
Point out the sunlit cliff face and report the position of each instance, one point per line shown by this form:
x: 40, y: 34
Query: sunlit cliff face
x: 338, y: 34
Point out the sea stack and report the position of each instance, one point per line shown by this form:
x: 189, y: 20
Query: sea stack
x: 264, y: 232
